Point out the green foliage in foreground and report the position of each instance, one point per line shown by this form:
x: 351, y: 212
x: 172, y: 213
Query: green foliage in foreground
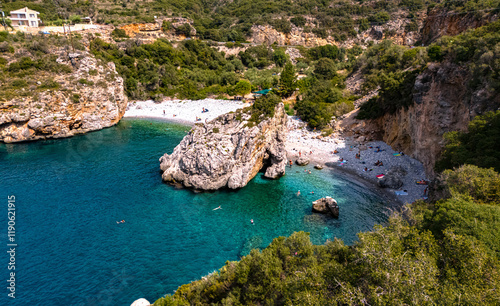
x: 469, y: 181
x: 478, y: 146
x: 442, y: 253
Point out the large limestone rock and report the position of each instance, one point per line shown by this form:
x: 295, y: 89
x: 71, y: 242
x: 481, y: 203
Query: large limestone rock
x: 326, y: 206
x: 302, y: 161
x: 228, y: 152
x: 75, y: 108
x: 394, y: 178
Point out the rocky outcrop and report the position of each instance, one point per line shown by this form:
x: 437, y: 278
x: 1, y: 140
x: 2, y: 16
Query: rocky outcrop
x: 442, y: 102
x: 395, y: 30
x: 441, y: 22
x: 88, y: 99
x: 228, y: 152
x: 394, y: 178
x: 326, y: 206
x: 149, y: 32
x: 302, y: 161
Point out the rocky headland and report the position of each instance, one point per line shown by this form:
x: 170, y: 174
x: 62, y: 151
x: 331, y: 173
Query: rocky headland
x: 229, y: 151
x: 90, y: 98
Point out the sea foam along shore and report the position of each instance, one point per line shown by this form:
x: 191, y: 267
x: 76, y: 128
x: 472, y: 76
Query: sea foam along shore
x: 320, y: 150
x: 182, y: 111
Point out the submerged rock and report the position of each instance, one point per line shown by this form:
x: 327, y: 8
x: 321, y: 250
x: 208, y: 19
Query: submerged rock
x: 302, y: 161
x: 394, y: 178
x: 326, y: 206
x: 228, y: 152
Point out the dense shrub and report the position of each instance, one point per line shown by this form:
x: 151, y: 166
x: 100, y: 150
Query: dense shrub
x: 478, y: 146
x: 482, y: 185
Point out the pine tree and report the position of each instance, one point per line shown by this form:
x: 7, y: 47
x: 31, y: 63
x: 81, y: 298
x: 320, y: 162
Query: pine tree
x: 287, y: 81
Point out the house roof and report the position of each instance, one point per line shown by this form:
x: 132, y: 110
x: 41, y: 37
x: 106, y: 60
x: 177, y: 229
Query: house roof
x: 24, y: 10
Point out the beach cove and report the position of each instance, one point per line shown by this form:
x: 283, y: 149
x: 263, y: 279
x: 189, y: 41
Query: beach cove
x: 71, y: 193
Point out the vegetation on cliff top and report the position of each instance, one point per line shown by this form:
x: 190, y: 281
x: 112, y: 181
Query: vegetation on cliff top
x: 394, y: 68
x: 233, y: 20
x: 478, y: 146
x: 28, y: 64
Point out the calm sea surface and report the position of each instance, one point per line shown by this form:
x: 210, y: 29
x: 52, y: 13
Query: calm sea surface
x: 71, y: 192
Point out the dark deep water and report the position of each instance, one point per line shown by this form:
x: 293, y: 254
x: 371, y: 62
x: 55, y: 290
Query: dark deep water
x: 70, y: 193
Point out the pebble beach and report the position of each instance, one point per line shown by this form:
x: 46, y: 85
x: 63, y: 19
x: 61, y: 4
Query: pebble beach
x: 320, y: 150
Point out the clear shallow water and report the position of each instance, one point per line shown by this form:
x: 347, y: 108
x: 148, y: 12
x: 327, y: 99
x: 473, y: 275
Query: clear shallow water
x: 70, y: 193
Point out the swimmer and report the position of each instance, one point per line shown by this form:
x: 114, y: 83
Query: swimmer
x: 217, y: 208
x: 251, y: 221
x: 298, y: 193
x: 312, y: 192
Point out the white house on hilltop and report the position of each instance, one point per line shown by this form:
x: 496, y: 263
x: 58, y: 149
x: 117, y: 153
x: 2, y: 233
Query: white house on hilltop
x: 25, y: 17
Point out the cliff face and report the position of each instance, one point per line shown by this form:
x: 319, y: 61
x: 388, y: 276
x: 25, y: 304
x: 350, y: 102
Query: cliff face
x: 441, y: 22
x: 75, y: 107
x: 443, y: 102
x: 226, y: 152
x: 393, y: 30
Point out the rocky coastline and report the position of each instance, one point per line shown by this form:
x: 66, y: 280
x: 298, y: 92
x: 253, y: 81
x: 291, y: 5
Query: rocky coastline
x: 91, y: 98
x: 228, y: 152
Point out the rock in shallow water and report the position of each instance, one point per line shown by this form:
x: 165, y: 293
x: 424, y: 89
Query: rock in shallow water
x: 228, y: 152
x: 326, y: 206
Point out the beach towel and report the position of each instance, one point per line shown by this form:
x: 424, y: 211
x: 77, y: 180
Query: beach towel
x: 421, y: 182
x: 400, y: 192
x: 380, y: 176
x: 396, y: 154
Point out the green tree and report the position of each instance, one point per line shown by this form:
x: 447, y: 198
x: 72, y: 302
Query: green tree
x: 242, y: 88
x: 325, y: 69
x: 288, y: 81
x: 279, y: 58
x: 434, y: 53
x: 478, y: 146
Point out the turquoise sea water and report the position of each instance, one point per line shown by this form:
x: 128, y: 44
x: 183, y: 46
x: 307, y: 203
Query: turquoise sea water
x: 71, y: 192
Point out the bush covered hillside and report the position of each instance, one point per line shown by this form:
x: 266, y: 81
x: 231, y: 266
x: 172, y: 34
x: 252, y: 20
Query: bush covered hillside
x: 444, y: 253
x: 233, y: 20
x: 28, y: 63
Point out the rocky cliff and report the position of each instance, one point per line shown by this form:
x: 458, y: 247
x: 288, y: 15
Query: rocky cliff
x: 442, y: 102
x: 441, y: 22
x: 395, y: 30
x: 88, y: 99
x: 228, y: 152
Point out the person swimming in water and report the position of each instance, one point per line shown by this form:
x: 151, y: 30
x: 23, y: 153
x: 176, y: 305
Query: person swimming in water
x: 251, y: 221
x: 217, y: 208
x: 298, y: 192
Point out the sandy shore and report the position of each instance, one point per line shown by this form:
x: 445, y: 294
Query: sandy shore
x: 309, y: 143
x: 320, y: 151
x: 182, y: 111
